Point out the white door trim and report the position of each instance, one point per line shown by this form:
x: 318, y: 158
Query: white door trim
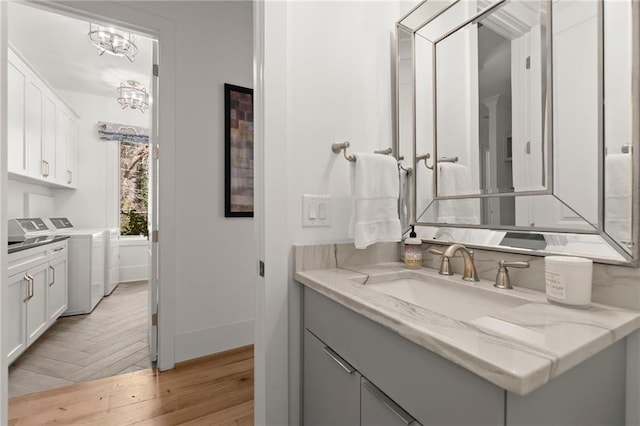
x: 163, y: 30
x: 4, y: 372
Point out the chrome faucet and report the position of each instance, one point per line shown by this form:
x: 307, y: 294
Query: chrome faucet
x: 469, y: 273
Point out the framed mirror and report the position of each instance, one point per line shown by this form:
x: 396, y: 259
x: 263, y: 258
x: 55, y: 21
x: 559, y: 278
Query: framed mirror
x: 519, y: 119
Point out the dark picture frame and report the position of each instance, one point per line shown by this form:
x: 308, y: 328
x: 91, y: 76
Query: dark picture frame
x: 238, y: 151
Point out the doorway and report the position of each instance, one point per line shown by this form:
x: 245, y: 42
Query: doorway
x: 95, y: 201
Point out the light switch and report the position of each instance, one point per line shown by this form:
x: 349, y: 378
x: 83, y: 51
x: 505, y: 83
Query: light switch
x: 316, y: 210
x: 322, y: 210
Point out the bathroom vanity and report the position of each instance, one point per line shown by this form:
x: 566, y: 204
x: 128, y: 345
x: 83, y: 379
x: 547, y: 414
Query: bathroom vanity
x: 373, y: 349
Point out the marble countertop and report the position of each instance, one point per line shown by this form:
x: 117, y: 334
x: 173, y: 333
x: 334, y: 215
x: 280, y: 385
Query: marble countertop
x: 519, y: 349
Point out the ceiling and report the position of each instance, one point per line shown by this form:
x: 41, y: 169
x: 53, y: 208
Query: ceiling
x: 60, y: 50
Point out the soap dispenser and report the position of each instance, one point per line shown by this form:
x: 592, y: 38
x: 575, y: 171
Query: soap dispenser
x: 413, y: 250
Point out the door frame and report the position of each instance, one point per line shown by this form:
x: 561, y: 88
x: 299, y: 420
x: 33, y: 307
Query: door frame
x: 162, y: 30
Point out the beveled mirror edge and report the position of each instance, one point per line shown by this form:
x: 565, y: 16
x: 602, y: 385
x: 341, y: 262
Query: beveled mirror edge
x: 631, y: 259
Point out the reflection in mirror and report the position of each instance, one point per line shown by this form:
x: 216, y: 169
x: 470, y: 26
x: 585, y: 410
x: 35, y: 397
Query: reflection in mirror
x: 618, y: 129
x: 587, y: 245
x: 543, y: 136
x: 490, y: 98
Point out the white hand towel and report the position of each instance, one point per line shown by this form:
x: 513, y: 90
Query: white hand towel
x: 454, y: 179
x: 374, y: 186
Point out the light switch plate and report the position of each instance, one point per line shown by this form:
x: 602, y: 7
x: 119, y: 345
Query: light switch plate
x: 316, y: 210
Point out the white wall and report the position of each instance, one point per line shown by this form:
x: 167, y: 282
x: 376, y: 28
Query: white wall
x: 95, y: 203
x: 134, y: 259
x: 327, y: 78
x: 15, y: 198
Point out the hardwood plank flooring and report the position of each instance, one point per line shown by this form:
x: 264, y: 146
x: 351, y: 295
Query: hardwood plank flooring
x: 217, y: 390
x: 112, y: 340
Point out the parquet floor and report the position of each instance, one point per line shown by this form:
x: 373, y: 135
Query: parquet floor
x: 217, y: 390
x: 111, y: 340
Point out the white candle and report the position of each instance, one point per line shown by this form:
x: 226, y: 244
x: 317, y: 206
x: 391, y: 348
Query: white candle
x: 568, y: 279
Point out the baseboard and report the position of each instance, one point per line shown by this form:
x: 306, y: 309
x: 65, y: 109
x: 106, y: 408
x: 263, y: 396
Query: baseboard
x: 194, y: 361
x: 133, y: 273
x: 199, y: 343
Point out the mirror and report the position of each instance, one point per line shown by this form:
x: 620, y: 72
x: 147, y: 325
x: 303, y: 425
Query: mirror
x: 521, y: 122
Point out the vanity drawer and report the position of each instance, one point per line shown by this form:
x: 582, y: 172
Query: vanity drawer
x: 430, y: 388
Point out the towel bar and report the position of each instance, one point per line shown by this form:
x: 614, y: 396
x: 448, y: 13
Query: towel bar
x: 426, y: 156
x: 342, y: 146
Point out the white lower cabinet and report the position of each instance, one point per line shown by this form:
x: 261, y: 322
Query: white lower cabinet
x: 36, y: 301
x: 36, y: 293
x: 16, y: 337
x: 57, y: 286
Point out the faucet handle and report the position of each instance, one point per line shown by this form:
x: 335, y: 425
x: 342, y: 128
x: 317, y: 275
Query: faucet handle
x: 503, y: 280
x: 434, y: 250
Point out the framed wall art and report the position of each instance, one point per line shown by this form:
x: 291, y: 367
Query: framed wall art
x: 238, y: 124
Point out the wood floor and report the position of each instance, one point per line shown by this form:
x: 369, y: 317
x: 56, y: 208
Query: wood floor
x: 112, y: 340
x: 217, y: 390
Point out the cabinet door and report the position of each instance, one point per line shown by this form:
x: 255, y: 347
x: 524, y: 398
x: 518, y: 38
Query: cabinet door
x: 37, y: 165
x: 376, y: 408
x: 331, y: 388
x: 16, y: 151
x: 57, y: 288
x: 37, y: 302
x: 62, y: 144
x: 49, y: 138
x: 72, y: 154
x: 15, y: 317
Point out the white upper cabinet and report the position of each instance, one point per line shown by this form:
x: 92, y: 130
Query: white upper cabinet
x: 42, y: 129
x: 15, y: 117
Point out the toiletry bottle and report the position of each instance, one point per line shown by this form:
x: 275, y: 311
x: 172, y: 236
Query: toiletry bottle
x: 413, y: 250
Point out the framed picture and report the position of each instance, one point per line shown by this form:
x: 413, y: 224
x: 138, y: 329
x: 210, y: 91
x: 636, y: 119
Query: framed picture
x: 238, y: 135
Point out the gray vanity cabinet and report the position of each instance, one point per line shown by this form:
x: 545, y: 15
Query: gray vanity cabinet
x: 331, y: 389
x: 428, y: 387
x: 433, y: 390
x: 377, y: 409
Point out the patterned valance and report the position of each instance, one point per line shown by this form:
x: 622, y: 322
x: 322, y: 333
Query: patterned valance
x: 122, y: 133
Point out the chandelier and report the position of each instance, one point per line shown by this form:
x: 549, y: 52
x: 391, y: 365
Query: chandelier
x: 132, y: 95
x: 113, y: 41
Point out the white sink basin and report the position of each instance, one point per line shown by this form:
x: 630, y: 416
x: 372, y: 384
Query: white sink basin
x: 460, y: 301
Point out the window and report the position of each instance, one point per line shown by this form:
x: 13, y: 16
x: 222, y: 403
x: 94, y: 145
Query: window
x: 134, y: 188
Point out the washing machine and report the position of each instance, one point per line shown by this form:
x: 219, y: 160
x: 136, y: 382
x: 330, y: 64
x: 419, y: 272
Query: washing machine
x: 111, y: 249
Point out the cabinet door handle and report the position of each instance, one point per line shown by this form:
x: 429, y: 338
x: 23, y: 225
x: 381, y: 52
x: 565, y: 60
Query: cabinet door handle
x: 30, y: 286
x: 26, y: 278
x: 389, y: 403
x: 69, y: 177
x: 339, y: 360
x: 58, y: 249
x: 53, y: 274
x: 45, y: 168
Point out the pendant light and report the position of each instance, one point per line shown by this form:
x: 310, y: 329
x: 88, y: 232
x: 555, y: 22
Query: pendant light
x: 132, y: 95
x: 113, y: 41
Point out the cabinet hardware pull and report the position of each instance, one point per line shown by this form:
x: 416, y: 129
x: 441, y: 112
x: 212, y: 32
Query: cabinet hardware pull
x: 45, y: 168
x: 338, y: 359
x: 30, y: 286
x: 58, y: 249
x: 389, y: 403
x: 27, y: 296
x: 69, y: 177
x: 53, y: 274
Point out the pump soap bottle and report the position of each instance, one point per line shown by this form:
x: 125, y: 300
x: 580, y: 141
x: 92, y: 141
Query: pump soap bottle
x: 413, y: 250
